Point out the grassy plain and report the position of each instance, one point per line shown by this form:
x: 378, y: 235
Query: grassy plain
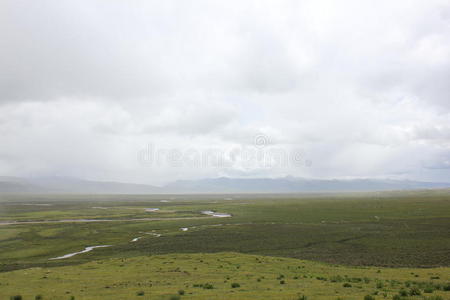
x: 389, y: 229
x: 211, y: 276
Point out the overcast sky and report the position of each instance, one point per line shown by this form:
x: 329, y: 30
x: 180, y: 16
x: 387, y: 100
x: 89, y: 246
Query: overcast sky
x: 137, y: 91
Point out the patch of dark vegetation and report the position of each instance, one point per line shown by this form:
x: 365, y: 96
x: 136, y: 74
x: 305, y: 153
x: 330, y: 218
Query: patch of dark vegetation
x: 268, y: 229
x: 414, y: 291
x: 206, y: 286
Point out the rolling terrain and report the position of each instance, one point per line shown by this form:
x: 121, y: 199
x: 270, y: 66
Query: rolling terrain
x: 223, y: 276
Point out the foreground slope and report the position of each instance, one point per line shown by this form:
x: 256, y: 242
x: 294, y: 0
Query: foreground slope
x: 211, y: 276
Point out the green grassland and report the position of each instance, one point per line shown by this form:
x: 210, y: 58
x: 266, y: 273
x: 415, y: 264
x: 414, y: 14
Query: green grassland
x: 361, y: 233
x: 221, y: 276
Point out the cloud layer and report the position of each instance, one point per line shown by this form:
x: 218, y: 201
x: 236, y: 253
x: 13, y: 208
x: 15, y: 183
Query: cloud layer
x: 359, y: 89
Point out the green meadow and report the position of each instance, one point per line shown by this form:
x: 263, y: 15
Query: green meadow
x: 221, y: 275
x: 321, y: 246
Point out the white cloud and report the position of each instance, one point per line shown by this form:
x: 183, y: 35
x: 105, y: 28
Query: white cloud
x: 361, y: 87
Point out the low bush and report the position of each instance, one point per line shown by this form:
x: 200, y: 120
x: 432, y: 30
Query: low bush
x: 369, y: 297
x: 414, y: 291
x: 235, y: 285
x: 347, y: 285
x: 180, y: 292
x: 337, y: 278
x: 208, y: 286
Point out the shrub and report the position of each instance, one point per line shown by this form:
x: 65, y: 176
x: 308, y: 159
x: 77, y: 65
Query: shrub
x: 403, y: 293
x: 446, y: 287
x: 337, y: 278
x: 140, y: 293
x: 368, y: 297
x: 396, y: 297
x: 208, y: 286
x: 180, y: 292
x: 235, y: 285
x: 38, y: 297
x: 347, y: 285
x: 428, y: 290
x: 17, y: 297
x: 380, y: 285
x: 282, y: 282
x: 414, y: 291
x: 72, y: 298
x: 435, y: 298
x: 302, y: 297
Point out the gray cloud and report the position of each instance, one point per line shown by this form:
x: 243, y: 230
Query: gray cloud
x: 362, y: 89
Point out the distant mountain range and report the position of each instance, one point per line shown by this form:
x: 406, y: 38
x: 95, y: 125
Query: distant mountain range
x: 211, y: 185
x: 71, y: 185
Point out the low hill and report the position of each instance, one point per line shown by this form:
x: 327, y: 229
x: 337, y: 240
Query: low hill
x: 228, y: 276
x: 71, y: 185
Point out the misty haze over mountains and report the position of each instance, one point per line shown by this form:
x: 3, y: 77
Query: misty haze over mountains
x: 210, y: 185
